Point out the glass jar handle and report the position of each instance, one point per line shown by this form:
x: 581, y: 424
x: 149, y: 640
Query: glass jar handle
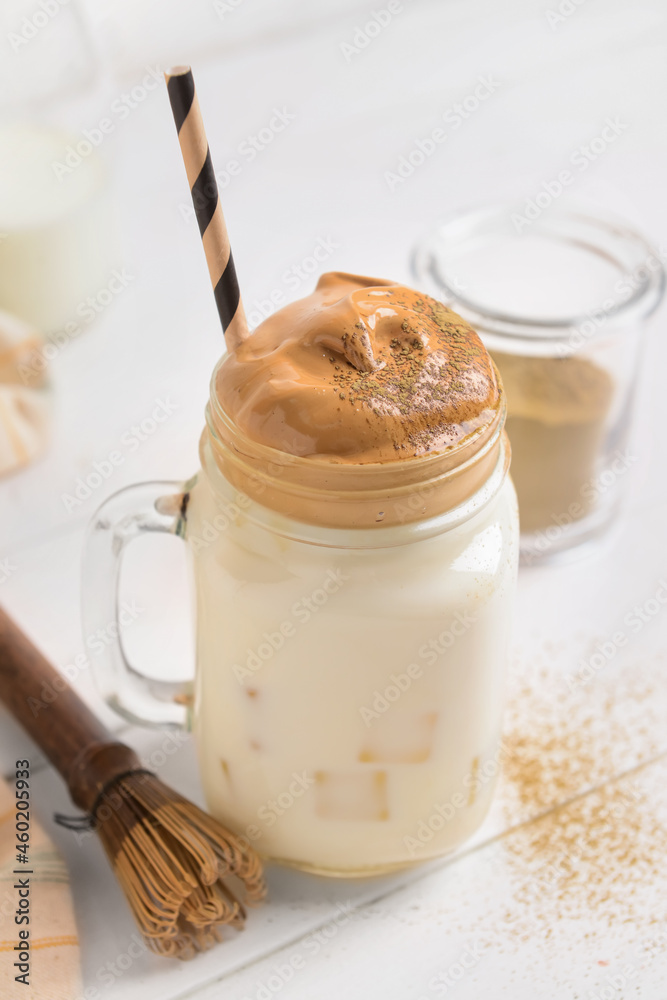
x: 158, y: 506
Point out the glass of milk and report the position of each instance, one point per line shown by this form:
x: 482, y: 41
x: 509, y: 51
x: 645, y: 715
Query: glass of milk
x: 58, y: 242
x: 350, y: 655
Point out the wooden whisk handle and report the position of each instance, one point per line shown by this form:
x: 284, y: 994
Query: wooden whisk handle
x: 44, y: 703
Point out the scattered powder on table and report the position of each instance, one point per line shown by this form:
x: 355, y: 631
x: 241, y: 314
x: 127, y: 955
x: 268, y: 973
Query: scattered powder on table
x: 595, y: 855
x: 560, y: 745
x: 574, y: 896
x: 599, y: 843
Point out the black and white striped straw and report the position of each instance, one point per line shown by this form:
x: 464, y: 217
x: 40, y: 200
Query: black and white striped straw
x: 206, y: 201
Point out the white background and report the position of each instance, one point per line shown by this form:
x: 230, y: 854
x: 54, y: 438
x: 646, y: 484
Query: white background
x: 323, y: 177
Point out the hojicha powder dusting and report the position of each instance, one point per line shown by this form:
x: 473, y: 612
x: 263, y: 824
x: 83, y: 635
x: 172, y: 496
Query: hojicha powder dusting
x: 361, y: 371
x: 557, y: 410
x: 364, y: 390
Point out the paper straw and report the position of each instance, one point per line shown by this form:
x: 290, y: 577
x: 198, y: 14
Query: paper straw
x: 206, y: 201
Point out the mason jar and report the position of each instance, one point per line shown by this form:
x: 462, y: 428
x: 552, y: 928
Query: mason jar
x: 352, y: 637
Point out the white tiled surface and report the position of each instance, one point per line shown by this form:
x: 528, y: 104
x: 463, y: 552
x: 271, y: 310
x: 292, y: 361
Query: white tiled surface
x: 323, y: 178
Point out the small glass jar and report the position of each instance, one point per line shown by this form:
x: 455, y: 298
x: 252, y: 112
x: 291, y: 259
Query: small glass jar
x: 561, y: 300
x: 352, y: 636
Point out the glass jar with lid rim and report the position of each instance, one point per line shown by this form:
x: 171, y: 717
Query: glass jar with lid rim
x: 561, y: 301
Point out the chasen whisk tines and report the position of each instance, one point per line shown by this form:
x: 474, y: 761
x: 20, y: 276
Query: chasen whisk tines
x: 184, y: 875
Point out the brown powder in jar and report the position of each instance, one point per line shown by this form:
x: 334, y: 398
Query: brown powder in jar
x: 556, y: 414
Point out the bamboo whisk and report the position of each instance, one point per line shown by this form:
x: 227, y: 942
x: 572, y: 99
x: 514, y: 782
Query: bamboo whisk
x: 185, y: 876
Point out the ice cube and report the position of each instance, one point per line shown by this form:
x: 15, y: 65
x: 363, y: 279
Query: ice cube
x: 399, y: 739
x: 351, y: 795
x: 472, y: 794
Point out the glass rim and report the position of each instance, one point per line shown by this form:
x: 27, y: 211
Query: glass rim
x: 341, y: 494
x: 433, y: 463
x: 367, y: 536
x: 643, y: 301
